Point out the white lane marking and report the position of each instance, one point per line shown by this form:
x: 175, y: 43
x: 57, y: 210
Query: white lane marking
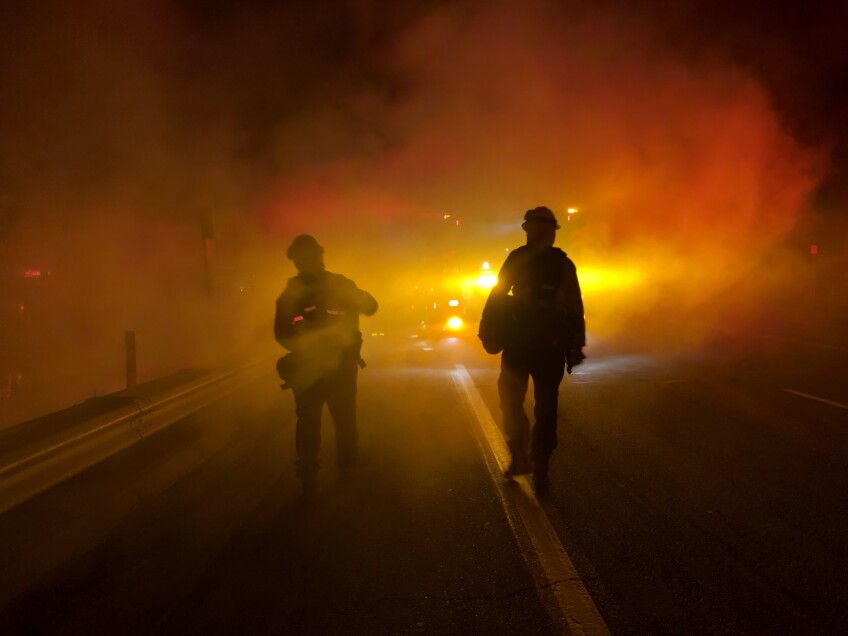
x: 808, y: 343
x: 817, y: 399
x: 576, y: 606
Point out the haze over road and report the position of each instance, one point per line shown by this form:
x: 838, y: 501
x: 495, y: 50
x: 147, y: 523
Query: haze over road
x: 694, y: 494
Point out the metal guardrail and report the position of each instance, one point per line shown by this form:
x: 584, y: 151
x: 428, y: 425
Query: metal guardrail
x: 47, y: 462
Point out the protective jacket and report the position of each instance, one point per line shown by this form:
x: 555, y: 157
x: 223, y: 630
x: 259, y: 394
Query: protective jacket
x: 545, y: 308
x: 317, y: 319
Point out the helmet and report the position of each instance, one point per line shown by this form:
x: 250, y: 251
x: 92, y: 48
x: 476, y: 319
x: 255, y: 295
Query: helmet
x: 540, y: 214
x: 303, y: 245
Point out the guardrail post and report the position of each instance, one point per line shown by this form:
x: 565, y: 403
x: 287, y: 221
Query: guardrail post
x: 132, y: 377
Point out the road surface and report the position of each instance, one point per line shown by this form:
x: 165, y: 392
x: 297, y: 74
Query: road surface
x: 693, y: 494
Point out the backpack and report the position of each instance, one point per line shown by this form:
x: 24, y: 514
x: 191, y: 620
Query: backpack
x: 532, y: 323
x: 497, y: 322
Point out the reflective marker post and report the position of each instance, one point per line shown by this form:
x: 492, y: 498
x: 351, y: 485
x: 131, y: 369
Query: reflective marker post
x: 129, y: 341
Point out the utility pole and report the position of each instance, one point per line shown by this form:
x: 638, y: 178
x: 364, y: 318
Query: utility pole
x: 132, y: 364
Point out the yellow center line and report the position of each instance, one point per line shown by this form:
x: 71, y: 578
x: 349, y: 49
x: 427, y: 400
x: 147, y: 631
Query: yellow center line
x: 573, y: 600
x: 817, y: 399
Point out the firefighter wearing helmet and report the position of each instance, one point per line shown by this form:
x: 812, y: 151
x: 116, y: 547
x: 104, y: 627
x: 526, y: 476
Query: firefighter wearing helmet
x: 317, y: 320
x: 541, y: 330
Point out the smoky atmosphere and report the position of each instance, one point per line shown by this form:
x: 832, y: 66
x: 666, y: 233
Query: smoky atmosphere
x: 428, y: 317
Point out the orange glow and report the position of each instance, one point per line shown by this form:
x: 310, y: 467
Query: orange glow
x: 487, y: 281
x: 595, y: 280
x: 678, y: 180
x: 678, y: 176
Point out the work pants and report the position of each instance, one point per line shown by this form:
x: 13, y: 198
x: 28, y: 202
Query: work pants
x: 547, y: 368
x: 338, y: 392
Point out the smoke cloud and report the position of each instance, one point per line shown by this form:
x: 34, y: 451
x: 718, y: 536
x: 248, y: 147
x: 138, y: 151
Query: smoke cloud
x: 130, y: 135
x: 682, y: 173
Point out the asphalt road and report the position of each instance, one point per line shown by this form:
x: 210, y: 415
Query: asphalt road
x: 695, y: 494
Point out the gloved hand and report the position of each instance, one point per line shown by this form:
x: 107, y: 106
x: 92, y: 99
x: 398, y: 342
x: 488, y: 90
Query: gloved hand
x: 573, y: 357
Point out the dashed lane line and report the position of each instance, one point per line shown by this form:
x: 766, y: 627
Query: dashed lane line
x: 838, y: 405
x: 573, y: 601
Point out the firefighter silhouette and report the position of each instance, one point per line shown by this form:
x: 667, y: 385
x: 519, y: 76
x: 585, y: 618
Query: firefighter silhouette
x: 317, y: 320
x: 534, y: 314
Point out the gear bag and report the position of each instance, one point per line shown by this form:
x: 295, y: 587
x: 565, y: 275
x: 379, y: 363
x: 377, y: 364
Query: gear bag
x: 496, y: 323
x: 532, y: 321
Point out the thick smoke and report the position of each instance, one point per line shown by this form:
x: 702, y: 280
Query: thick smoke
x: 104, y: 193
x: 130, y: 135
x: 681, y: 171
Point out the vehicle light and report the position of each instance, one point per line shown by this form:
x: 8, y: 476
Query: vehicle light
x: 453, y: 303
x: 454, y: 323
x: 487, y: 281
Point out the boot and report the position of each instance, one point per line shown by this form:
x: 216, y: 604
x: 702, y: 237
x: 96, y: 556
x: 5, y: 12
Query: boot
x: 541, y: 483
x: 310, y: 487
x: 520, y: 464
x: 308, y: 474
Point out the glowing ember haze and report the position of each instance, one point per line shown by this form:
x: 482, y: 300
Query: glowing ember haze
x: 682, y: 172
x: 126, y: 133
